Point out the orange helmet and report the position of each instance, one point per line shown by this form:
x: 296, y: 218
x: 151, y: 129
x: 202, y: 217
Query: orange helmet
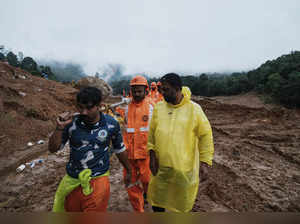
x: 139, y: 81
x: 158, y: 83
x: 153, y: 84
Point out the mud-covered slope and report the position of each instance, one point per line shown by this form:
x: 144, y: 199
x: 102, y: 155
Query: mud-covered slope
x: 28, y: 107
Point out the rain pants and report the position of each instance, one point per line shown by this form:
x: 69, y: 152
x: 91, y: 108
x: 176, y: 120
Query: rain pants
x: 181, y: 137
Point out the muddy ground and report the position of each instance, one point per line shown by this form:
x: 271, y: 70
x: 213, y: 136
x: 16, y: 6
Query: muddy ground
x: 256, y: 165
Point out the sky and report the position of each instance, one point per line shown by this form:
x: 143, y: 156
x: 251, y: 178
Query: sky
x: 153, y: 36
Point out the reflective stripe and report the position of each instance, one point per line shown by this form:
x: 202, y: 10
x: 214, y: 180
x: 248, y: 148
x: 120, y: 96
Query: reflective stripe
x: 144, y: 129
x: 130, y: 130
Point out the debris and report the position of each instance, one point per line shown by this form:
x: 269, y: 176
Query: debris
x: 30, y: 144
x: 20, y: 168
x: 22, y: 93
x: 40, y: 142
x: 34, y: 162
x: 39, y: 160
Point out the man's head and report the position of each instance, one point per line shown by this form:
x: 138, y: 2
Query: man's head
x: 88, y: 101
x: 138, y: 87
x: 159, y: 87
x: 171, y: 87
x: 153, y: 86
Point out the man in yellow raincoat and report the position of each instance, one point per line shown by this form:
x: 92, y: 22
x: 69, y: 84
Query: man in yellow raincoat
x: 179, y: 142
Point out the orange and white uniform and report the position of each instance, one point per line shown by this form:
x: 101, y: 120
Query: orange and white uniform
x: 137, y: 120
x: 153, y: 93
x: 159, y: 97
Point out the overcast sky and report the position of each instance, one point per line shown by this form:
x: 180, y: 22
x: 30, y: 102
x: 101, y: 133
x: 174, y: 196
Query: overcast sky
x: 153, y: 36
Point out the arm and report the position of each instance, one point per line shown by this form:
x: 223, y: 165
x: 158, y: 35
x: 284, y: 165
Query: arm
x: 205, y: 137
x: 205, y: 144
x: 119, y: 148
x: 56, y: 138
x: 123, y: 158
x: 154, y: 165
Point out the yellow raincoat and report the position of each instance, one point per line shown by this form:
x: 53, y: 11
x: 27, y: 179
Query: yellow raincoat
x: 181, y: 136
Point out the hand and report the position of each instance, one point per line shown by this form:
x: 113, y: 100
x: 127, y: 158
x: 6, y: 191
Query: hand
x: 63, y: 120
x: 204, y: 167
x: 127, y: 178
x: 154, y: 165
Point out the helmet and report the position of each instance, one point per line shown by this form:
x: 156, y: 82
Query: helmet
x: 158, y: 83
x: 139, y: 80
x: 153, y: 84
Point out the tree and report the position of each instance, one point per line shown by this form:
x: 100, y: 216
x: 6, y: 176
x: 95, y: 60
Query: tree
x: 12, y: 59
x: 275, y: 83
x: 2, y: 56
x: 29, y: 65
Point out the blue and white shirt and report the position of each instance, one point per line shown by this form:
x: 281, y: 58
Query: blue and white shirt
x: 89, y: 145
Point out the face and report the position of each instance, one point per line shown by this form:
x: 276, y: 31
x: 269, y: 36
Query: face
x: 89, y: 112
x: 169, y: 93
x: 159, y: 89
x: 138, y: 93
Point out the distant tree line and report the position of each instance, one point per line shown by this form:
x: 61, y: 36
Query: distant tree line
x: 278, y: 80
x: 28, y: 64
x: 51, y: 69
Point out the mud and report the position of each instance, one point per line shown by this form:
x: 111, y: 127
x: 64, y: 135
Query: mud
x: 256, y: 167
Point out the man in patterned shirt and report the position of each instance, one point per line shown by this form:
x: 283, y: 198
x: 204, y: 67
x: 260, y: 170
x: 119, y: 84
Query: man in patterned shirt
x: 90, y: 135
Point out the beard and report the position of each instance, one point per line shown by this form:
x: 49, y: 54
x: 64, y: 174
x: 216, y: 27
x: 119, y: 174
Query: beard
x: 170, y: 99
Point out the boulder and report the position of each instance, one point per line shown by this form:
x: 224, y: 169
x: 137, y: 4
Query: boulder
x: 95, y: 82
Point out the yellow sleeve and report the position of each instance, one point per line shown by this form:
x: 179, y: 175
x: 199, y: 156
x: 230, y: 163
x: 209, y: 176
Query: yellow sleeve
x: 205, y: 138
x: 152, y: 127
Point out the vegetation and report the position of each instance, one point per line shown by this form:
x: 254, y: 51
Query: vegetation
x: 53, y: 70
x: 27, y: 63
x: 278, y: 80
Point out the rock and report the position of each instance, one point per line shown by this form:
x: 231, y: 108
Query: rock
x: 95, y: 82
x: 296, y: 178
x: 1, y: 105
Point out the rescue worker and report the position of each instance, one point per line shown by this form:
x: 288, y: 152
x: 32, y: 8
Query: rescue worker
x: 153, y: 92
x: 180, y: 137
x: 137, y: 117
x: 159, y: 92
x: 86, y: 186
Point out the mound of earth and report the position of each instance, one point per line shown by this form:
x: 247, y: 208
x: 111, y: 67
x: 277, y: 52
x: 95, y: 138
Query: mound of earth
x: 255, y: 168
